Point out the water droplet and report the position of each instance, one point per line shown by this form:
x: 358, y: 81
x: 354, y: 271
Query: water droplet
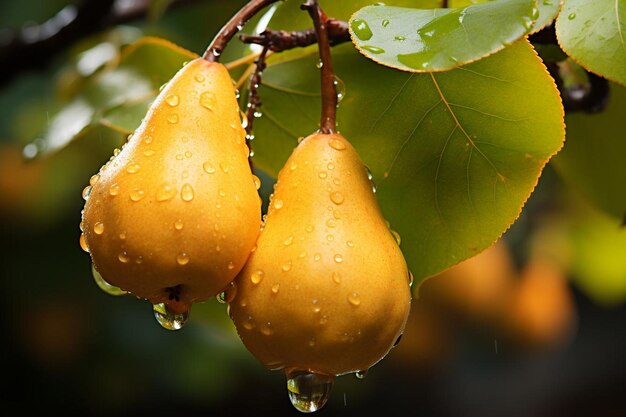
x: 396, y: 236
x: 410, y: 279
x: 199, y: 78
x: 337, y: 144
x: 94, y: 179
x: 257, y: 182
x: 148, y: 140
x: 373, y: 49
x: 149, y: 152
x: 186, y: 193
x: 361, y: 29
x: 399, y: 38
x: 350, y: 244
x: 330, y: 166
x: 172, y: 100
x: 278, y: 203
x: 267, y: 329
x: 310, y: 228
x: 336, y: 197
x: 133, y: 168
x: 323, y: 174
x: 172, y: 118
x: 256, y: 277
x: 114, y: 190
x: 182, y: 258
x: 122, y: 235
x: 319, y: 64
x: 338, y: 258
x: 123, y: 257
x: 83, y: 243
x: 165, y: 192
x: 137, y: 194
x: 361, y: 374
x: 86, y: 192
x: 207, y: 100
x: 571, y: 16
x: 168, y: 319
x: 275, y: 288
x: 302, y: 254
x: 105, y: 286
x: 98, y: 228
x: 385, y: 23
x: 354, y: 299
x: 287, y: 266
x: 317, y: 257
x: 293, y: 166
x: 308, y: 392
x: 336, y: 277
x: 221, y: 298
x: 331, y: 223
x: 116, y: 152
x: 178, y: 225
x: 330, y: 237
x: 224, y: 167
x: 188, y: 154
x: 208, y: 167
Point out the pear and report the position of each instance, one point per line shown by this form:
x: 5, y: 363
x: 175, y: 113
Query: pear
x: 326, y: 292
x: 173, y: 216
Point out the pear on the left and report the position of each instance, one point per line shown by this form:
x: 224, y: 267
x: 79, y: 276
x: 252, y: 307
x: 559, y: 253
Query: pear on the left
x: 174, y: 215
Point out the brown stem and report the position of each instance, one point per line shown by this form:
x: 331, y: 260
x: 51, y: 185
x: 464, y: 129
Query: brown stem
x: 233, y: 26
x: 254, y: 100
x: 280, y: 40
x: 444, y: 4
x: 328, y: 123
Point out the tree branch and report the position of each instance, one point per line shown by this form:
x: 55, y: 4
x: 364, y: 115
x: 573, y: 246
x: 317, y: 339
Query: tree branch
x: 234, y: 25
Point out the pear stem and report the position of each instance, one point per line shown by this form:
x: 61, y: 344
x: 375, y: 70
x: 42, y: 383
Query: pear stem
x: 230, y: 29
x: 328, y: 123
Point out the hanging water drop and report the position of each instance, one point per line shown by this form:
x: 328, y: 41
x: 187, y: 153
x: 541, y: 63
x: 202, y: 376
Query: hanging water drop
x: 168, y: 319
x: 86, y: 192
x: 361, y: 374
x: 105, y: 286
x: 308, y: 392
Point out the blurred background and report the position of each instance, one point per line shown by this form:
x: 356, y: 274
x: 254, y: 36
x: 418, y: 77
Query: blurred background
x: 534, y: 326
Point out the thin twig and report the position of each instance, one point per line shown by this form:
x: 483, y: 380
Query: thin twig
x: 234, y: 25
x: 254, y: 100
x: 280, y: 40
x: 328, y: 123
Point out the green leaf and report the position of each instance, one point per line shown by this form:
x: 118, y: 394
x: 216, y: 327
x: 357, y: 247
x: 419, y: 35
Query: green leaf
x: 593, y: 33
x: 455, y: 155
x: 439, y: 39
x: 592, y: 160
x: 289, y: 16
x: 119, y: 96
x: 548, y: 10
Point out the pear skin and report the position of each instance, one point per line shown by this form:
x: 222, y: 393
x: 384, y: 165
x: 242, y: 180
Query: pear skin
x: 175, y: 214
x: 327, y: 288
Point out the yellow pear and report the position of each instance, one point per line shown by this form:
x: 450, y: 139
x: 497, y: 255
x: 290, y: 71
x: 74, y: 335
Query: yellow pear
x: 326, y: 291
x: 173, y: 216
